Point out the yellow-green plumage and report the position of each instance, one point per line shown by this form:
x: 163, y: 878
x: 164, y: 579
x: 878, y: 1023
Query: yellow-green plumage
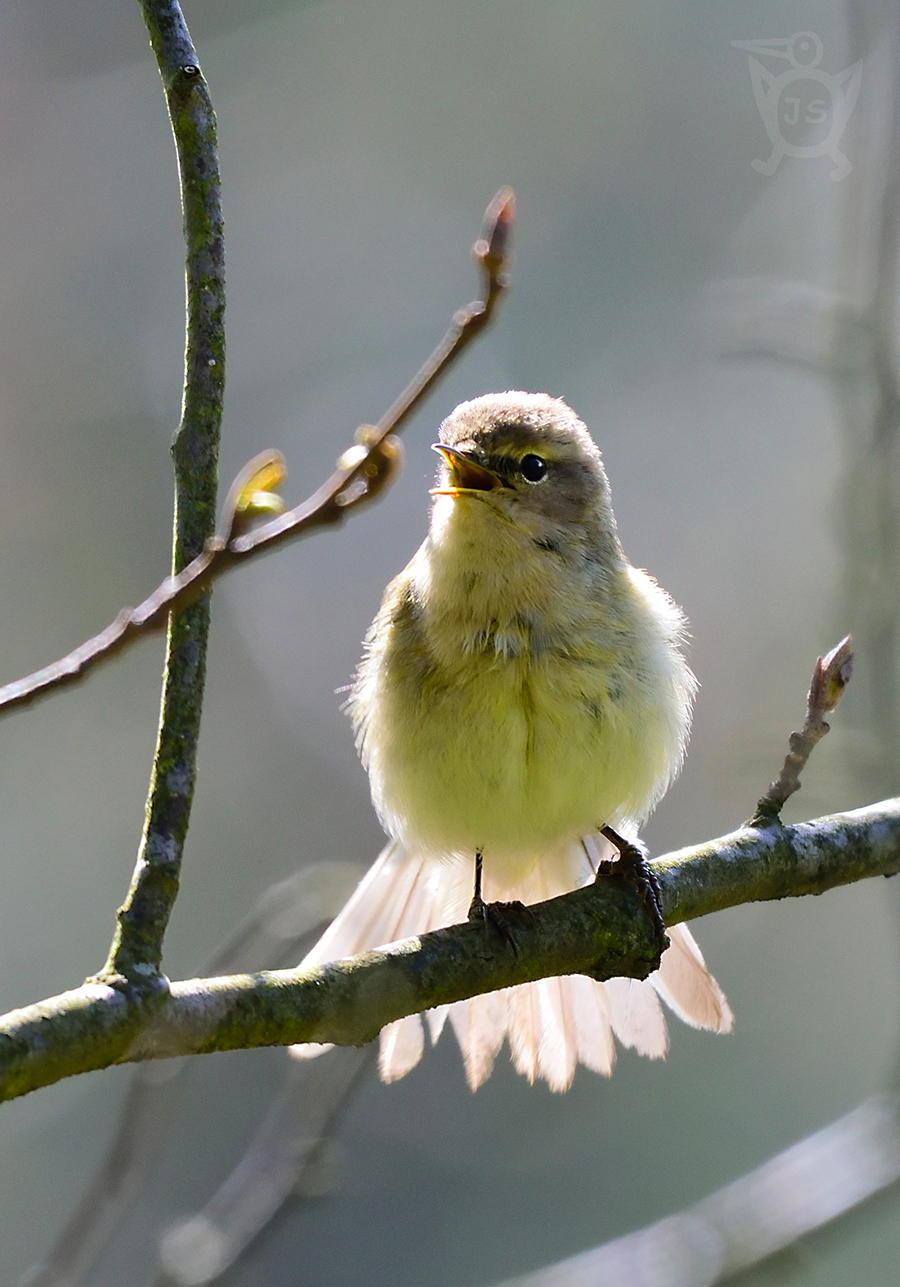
x: 508, y: 728
x: 522, y: 686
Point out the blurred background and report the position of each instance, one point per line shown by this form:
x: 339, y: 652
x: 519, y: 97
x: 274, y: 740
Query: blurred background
x: 729, y: 337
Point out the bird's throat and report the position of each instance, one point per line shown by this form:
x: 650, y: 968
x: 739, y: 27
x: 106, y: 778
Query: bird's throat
x: 486, y: 586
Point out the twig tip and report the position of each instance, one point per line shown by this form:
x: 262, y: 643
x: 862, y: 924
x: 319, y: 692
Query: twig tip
x: 831, y: 676
x: 492, y: 247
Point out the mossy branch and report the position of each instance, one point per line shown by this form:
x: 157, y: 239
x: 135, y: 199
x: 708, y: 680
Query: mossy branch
x: 599, y: 930
x: 135, y: 956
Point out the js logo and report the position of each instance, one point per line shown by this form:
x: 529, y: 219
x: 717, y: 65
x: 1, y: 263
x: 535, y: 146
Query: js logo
x: 804, y: 110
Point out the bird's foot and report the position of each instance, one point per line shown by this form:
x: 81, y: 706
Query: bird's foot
x: 498, y: 915
x: 632, y: 866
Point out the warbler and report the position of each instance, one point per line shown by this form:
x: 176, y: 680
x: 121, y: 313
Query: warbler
x: 523, y: 686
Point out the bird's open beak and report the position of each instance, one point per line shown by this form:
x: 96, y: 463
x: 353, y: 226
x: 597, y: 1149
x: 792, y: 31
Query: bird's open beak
x: 466, y: 475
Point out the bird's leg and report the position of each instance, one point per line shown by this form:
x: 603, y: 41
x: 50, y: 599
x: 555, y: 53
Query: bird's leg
x: 495, y: 914
x: 478, y: 907
x: 632, y: 866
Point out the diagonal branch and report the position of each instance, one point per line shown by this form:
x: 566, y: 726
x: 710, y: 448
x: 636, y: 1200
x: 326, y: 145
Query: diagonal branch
x: 600, y: 930
x: 362, y: 472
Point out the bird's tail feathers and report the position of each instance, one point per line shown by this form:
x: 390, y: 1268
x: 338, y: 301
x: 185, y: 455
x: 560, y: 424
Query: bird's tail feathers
x: 687, y: 987
x: 551, y: 1024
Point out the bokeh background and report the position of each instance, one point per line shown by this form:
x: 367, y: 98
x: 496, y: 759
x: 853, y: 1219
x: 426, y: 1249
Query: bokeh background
x: 728, y: 336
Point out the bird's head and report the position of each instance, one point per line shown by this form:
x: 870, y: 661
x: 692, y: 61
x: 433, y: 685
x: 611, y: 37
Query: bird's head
x: 530, y: 459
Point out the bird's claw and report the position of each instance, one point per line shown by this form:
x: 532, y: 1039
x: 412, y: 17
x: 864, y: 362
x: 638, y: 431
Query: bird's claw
x: 496, y: 915
x: 632, y: 866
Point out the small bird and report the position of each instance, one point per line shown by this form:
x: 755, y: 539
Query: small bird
x: 522, y: 688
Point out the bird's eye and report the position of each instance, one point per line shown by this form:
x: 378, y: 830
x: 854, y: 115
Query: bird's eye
x: 533, y: 469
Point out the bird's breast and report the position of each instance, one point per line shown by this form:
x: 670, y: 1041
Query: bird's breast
x: 505, y: 709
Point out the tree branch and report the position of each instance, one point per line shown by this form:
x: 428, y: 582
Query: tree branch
x: 600, y: 930
x: 135, y: 955
x: 362, y: 473
x: 829, y: 679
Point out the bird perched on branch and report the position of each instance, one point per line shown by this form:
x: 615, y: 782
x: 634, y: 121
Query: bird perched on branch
x: 522, y: 696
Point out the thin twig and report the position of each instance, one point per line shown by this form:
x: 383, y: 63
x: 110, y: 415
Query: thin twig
x: 830, y: 677
x: 598, y: 930
x: 362, y: 473
x: 135, y: 955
